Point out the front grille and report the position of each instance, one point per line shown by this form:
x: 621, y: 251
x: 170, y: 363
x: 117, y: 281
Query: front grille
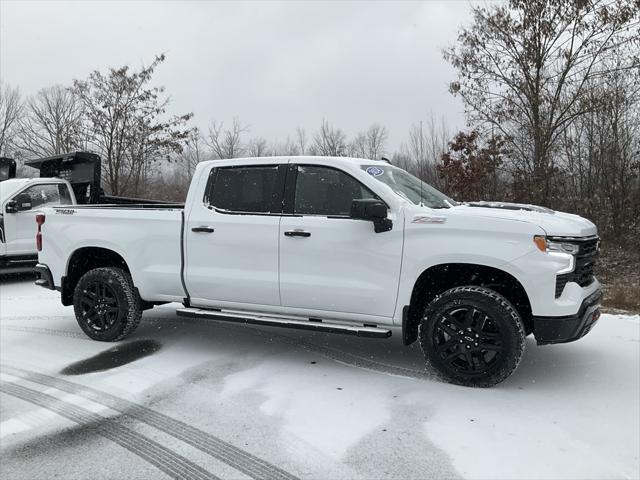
x: 586, y: 260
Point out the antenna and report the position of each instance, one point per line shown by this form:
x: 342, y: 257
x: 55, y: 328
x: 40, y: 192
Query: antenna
x: 421, y: 162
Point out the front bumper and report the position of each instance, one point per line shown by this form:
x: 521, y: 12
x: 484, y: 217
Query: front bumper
x: 569, y: 328
x: 45, y: 278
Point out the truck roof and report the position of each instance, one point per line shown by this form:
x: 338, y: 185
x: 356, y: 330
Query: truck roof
x: 298, y: 159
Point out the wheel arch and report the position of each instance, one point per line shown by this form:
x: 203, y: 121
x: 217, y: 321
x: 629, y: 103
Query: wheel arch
x: 84, y: 259
x: 441, y: 277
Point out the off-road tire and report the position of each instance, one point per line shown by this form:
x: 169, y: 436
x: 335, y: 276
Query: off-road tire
x: 506, y: 331
x: 122, y: 301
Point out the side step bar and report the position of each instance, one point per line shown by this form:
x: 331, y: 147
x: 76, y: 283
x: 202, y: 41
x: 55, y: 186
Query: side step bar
x: 285, y: 322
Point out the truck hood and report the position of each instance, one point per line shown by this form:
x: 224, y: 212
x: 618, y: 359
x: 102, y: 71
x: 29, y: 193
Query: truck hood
x: 552, y: 222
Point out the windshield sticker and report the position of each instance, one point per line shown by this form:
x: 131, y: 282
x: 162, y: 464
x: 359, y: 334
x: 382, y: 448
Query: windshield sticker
x: 375, y: 171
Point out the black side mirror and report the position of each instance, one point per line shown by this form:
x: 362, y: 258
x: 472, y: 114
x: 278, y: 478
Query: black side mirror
x: 11, y: 207
x: 373, y: 210
x: 23, y: 202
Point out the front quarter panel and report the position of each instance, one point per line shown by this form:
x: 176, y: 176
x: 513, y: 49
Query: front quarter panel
x: 434, y: 237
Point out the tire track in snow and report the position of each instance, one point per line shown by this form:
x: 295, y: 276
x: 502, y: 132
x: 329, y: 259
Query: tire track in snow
x: 227, y: 453
x: 168, y: 461
x: 45, y: 331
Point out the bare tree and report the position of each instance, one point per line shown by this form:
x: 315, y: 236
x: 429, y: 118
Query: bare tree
x: 52, y: 123
x: 376, y: 140
x: 523, y: 67
x: 257, y: 147
x: 369, y: 144
x: 286, y: 148
x: 10, y: 108
x: 599, y: 164
x: 301, y: 137
x: 428, y: 140
x: 192, y: 153
x: 127, y: 124
x: 226, y: 143
x: 402, y: 160
x: 358, y: 146
x: 329, y: 141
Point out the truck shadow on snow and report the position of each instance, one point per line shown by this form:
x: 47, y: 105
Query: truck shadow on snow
x: 546, y: 365
x: 114, y: 357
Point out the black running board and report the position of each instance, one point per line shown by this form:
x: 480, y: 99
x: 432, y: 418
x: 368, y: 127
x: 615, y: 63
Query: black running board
x: 284, y: 322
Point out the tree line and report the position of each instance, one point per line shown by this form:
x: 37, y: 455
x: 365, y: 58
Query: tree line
x: 550, y: 89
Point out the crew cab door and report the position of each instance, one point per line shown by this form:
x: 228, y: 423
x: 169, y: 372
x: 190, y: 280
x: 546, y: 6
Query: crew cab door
x: 231, y: 237
x: 329, y: 261
x: 20, y: 227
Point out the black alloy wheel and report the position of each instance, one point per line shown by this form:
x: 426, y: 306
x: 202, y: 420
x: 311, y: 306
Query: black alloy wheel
x: 469, y: 340
x: 106, y: 304
x: 472, y: 336
x: 99, y: 306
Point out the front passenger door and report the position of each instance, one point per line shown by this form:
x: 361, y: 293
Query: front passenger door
x: 328, y: 261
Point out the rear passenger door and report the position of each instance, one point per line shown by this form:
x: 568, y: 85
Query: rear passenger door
x: 231, y: 237
x: 328, y: 261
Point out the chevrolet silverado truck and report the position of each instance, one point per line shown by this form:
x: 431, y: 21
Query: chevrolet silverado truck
x: 336, y: 245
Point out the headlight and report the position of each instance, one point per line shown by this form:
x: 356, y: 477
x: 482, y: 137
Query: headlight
x: 563, y: 252
x: 545, y: 245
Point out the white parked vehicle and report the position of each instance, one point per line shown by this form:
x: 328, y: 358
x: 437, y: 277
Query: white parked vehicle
x: 336, y: 245
x: 20, y: 200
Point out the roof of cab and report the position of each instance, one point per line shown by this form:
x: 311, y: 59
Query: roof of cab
x: 295, y: 159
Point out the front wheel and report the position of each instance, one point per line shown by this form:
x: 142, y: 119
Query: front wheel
x: 106, y: 304
x: 472, y: 336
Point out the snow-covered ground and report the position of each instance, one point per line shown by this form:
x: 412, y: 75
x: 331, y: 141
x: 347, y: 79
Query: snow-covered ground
x: 188, y: 399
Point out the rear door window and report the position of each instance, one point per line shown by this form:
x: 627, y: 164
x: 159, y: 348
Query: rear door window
x: 246, y: 189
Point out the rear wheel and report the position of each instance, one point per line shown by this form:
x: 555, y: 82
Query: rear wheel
x: 106, y: 304
x: 472, y: 336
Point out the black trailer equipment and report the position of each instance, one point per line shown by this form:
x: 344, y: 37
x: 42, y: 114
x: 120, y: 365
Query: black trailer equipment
x: 7, y: 168
x: 83, y: 171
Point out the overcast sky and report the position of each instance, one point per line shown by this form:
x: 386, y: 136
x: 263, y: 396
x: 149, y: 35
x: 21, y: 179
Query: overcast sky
x: 274, y: 65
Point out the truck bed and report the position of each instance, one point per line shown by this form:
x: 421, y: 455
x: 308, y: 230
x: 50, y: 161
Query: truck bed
x: 148, y: 236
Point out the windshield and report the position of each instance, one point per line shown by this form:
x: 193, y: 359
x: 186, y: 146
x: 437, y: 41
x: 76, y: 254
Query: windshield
x: 409, y: 187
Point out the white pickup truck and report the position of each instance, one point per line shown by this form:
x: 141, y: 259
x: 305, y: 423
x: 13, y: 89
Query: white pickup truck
x: 21, y: 199
x: 336, y: 245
